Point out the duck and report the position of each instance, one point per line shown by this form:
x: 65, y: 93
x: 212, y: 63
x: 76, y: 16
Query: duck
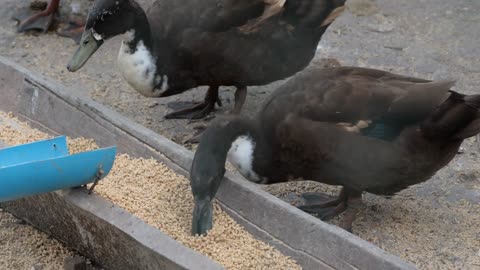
x: 363, y: 129
x: 40, y: 16
x: 179, y: 45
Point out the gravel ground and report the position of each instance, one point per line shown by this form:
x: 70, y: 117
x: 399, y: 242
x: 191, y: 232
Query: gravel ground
x: 435, y: 224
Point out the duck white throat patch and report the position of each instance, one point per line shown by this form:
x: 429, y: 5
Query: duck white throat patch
x: 240, y: 155
x: 139, y: 68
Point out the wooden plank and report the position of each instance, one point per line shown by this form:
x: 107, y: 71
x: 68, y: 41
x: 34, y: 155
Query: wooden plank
x: 315, y: 244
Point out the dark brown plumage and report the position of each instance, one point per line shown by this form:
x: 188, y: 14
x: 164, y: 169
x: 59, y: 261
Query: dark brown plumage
x: 216, y: 43
x: 363, y: 129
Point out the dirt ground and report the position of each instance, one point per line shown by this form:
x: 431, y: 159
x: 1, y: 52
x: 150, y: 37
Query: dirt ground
x: 433, y: 225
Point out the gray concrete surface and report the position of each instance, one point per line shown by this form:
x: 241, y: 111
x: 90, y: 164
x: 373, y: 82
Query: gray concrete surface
x: 432, y: 224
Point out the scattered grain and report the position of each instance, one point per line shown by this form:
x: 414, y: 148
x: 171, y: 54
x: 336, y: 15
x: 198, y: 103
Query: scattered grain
x: 23, y: 247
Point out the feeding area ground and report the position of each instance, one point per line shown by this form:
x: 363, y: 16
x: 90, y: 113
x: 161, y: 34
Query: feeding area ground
x: 433, y: 225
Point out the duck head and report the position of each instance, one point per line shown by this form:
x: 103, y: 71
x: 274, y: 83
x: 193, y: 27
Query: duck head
x: 226, y: 136
x: 206, y: 174
x: 106, y: 19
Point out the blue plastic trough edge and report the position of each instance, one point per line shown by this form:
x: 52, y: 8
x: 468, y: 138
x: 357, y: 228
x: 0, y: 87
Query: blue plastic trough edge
x: 39, y: 176
x: 35, y: 151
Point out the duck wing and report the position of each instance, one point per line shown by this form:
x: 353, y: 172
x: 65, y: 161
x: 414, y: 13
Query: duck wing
x: 368, y: 101
x: 170, y: 17
x: 327, y: 153
x: 203, y: 38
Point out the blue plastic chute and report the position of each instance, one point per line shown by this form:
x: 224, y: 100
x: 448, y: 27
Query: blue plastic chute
x: 46, y: 166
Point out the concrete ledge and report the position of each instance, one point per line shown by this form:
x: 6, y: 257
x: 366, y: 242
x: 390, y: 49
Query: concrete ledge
x: 313, y: 243
x: 105, y: 233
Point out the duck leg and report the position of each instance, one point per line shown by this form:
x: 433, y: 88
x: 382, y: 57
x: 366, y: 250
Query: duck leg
x: 199, y: 110
x: 240, y: 96
x: 30, y: 20
x: 348, y: 202
x: 353, y: 203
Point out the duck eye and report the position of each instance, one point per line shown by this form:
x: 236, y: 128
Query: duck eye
x: 85, y: 42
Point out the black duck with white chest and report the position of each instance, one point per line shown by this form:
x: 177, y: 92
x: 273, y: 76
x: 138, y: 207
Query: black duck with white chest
x: 362, y: 129
x: 179, y: 45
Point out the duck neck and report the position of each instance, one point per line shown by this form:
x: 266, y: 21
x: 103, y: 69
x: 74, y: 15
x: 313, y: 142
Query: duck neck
x: 137, y: 60
x: 141, y: 34
x: 239, y: 140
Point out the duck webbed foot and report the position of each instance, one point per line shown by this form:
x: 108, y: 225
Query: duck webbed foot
x: 197, y: 110
x: 74, y: 30
x: 31, y: 19
x: 326, y: 209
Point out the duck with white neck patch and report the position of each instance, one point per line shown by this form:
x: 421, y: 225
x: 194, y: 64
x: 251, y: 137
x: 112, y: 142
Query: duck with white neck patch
x: 362, y: 129
x: 179, y: 45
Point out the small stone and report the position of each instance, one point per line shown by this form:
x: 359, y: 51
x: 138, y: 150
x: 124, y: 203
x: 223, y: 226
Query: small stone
x: 75, y: 263
x: 37, y: 266
x: 291, y: 197
x: 153, y: 104
x: 20, y: 222
x: 383, y: 25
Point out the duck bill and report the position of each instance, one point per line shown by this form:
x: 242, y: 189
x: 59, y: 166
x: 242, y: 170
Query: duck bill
x: 88, y: 46
x: 202, y: 217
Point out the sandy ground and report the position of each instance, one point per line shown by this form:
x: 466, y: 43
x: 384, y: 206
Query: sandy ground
x: 435, y: 224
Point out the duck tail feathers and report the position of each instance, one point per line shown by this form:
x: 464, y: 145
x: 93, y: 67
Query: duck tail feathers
x: 470, y: 130
x: 473, y: 101
x: 473, y: 128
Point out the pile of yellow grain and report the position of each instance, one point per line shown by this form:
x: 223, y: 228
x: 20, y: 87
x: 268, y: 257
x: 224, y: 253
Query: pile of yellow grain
x: 151, y: 191
x: 24, y: 247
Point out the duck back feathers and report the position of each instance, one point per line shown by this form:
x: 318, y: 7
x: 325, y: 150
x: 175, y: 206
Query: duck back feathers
x: 351, y: 94
x: 202, y: 41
